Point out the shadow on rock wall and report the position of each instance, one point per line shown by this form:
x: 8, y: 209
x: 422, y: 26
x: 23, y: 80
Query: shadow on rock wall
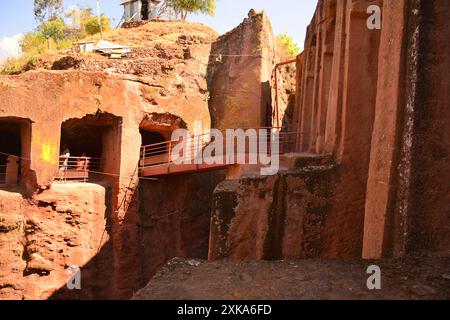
x: 174, y: 219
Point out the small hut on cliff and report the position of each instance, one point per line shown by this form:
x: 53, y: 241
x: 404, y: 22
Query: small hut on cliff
x: 137, y: 10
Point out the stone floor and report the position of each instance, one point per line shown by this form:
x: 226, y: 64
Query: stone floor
x: 406, y: 279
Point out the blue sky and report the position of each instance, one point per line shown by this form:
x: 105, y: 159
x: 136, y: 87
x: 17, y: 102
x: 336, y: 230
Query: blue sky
x: 291, y: 16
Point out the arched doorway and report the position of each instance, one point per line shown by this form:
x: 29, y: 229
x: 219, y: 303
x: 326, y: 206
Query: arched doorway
x: 155, y: 147
x: 151, y: 137
x: 90, y: 148
x: 15, y: 147
x: 156, y: 132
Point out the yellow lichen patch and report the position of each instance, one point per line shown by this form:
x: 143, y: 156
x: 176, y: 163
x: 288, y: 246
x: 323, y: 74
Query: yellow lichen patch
x: 236, y: 110
x: 49, y: 152
x: 245, y: 87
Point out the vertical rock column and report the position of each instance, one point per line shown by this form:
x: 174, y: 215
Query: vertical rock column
x: 346, y: 222
x: 239, y: 74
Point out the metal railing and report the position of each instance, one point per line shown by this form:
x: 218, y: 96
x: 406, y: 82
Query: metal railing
x: 78, y: 169
x: 161, y: 153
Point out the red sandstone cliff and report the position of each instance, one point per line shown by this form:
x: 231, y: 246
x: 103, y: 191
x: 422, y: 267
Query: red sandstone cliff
x: 374, y: 102
x: 369, y: 177
x: 161, y: 86
x: 106, y: 105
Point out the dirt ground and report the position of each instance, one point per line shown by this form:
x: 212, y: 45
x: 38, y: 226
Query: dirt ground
x: 406, y: 279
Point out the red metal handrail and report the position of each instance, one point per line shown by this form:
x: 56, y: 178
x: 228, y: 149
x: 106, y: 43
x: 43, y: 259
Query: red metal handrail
x: 160, y: 153
x: 77, y: 168
x: 275, y: 70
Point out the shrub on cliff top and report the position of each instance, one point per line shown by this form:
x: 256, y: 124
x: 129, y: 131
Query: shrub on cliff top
x: 18, y: 65
x: 83, y: 22
x: 54, y: 29
x: 181, y: 8
x: 53, y: 34
x: 287, y: 43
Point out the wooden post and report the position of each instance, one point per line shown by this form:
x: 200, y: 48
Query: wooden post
x: 86, y: 171
x: 170, y: 152
x: 99, y: 19
x: 12, y: 171
x: 143, y: 157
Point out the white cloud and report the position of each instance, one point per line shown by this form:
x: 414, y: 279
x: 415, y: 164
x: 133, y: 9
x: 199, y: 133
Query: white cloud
x: 9, y: 47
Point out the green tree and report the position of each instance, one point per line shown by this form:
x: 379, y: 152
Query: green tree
x: 182, y: 8
x: 91, y: 25
x: 54, y: 29
x: 53, y: 33
x: 287, y: 43
x: 79, y: 13
x: 86, y: 21
x: 33, y: 42
x: 47, y: 9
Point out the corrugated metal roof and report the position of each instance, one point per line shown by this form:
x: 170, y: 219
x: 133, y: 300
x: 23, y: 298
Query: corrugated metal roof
x: 127, y: 1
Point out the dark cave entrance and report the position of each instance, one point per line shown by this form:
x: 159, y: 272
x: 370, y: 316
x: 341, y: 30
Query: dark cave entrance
x: 151, y: 137
x: 156, y: 133
x: 155, y: 147
x: 144, y: 11
x: 82, y: 139
x: 90, y: 145
x: 15, y: 146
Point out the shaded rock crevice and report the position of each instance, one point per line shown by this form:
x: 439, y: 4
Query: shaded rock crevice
x: 273, y: 218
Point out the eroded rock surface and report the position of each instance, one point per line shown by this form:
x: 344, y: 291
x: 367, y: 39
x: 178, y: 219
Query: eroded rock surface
x: 41, y: 238
x: 408, y: 279
x: 274, y: 217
